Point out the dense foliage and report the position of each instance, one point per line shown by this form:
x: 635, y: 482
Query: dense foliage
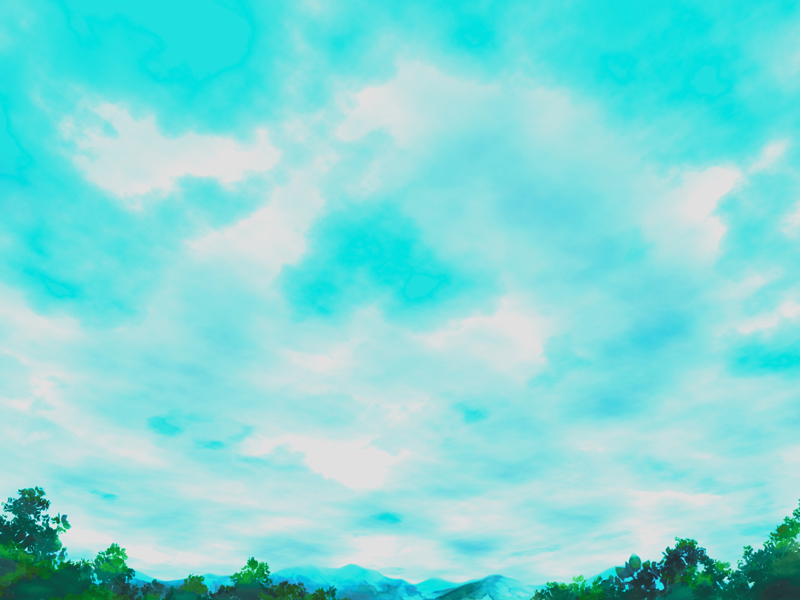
x: 686, y: 572
x: 34, y: 566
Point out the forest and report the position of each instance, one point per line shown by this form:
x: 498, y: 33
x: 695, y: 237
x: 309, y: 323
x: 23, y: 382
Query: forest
x: 34, y: 566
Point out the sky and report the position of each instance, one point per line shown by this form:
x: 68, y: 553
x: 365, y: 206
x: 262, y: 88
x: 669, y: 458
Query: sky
x: 439, y: 289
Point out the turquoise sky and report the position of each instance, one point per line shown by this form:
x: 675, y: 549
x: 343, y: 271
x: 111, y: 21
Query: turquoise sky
x: 441, y: 289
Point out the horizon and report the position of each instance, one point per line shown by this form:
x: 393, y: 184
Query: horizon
x: 293, y: 570
x: 435, y: 290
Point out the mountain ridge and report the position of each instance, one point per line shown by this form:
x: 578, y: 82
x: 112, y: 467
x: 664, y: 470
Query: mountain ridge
x: 358, y: 583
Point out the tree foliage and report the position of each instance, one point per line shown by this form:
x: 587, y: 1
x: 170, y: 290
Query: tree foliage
x: 111, y: 570
x: 253, y: 573
x: 29, y: 527
x: 686, y: 572
x: 33, y: 566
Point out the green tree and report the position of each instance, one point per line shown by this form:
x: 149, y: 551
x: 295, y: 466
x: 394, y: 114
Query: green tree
x: 151, y: 591
x: 253, y: 573
x: 34, y: 581
x: 323, y: 594
x: 251, y: 582
x: 30, y: 528
x: 685, y: 571
x: 772, y: 573
x: 112, y: 572
x: 288, y: 591
x: 193, y: 587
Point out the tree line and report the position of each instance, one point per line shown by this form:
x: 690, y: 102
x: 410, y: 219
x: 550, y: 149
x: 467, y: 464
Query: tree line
x: 34, y: 566
x: 687, y: 572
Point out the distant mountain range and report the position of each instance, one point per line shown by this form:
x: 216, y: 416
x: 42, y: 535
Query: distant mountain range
x: 358, y: 583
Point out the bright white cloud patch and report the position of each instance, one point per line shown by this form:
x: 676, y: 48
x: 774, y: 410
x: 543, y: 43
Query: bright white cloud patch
x: 275, y: 234
x: 510, y: 340
x: 356, y: 464
x: 683, y: 222
x: 129, y: 157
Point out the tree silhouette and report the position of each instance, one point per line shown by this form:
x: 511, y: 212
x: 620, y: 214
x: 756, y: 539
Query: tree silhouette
x: 30, y: 528
x: 193, y: 587
x: 687, y: 572
x: 112, y: 572
x: 33, y: 566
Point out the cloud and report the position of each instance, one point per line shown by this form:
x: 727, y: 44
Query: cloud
x: 130, y: 157
x: 510, y: 340
x: 356, y: 464
x: 788, y: 310
x: 684, y: 222
x: 518, y: 276
x: 650, y: 499
x: 419, y: 102
x: 791, y: 222
x: 272, y: 236
x: 771, y: 153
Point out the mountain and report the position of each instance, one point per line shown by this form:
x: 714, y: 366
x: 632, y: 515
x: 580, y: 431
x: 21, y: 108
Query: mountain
x: 351, y: 581
x: 493, y: 587
x: 358, y: 583
x: 212, y: 581
x: 430, y: 586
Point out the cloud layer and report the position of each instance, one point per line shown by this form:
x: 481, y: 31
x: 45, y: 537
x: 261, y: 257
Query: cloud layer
x: 438, y: 292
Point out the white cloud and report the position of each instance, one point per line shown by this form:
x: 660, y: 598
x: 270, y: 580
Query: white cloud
x: 789, y: 309
x: 683, y: 223
x: 419, y: 101
x: 771, y: 153
x: 339, y: 359
x: 273, y: 235
x: 644, y: 499
x: 86, y: 539
x: 791, y: 222
x: 129, y: 157
x: 275, y: 524
x: 23, y: 328
x: 356, y: 464
x: 510, y: 340
x: 478, y: 515
x: 759, y: 323
x: 373, y: 550
x: 156, y: 559
x: 702, y: 192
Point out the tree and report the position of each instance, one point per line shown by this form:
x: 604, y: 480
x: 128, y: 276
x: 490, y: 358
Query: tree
x: 253, y: 573
x: 288, y: 591
x: 323, y: 594
x: 772, y: 573
x: 111, y: 570
x: 685, y: 571
x: 193, y: 587
x: 30, y: 527
x: 251, y: 582
x: 34, y: 581
x: 152, y: 591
